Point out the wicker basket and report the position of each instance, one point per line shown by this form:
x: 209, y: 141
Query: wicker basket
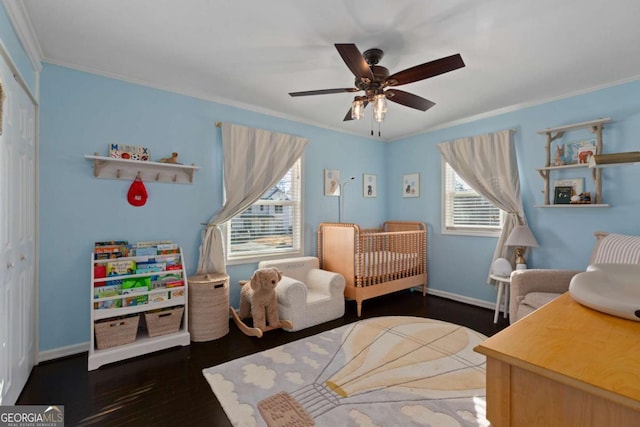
x: 208, y: 306
x: 163, y: 322
x: 115, y: 332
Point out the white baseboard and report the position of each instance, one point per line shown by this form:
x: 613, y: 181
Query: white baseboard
x: 57, y: 353
x: 462, y: 298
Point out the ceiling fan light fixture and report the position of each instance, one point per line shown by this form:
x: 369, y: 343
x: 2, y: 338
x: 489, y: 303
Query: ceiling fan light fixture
x: 379, y: 107
x: 380, y: 103
x: 357, y: 109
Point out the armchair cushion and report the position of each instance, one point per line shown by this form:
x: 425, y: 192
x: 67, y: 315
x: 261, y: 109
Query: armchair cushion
x: 306, y: 294
x: 531, y: 289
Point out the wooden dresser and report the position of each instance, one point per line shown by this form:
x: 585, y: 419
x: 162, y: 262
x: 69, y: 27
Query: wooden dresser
x: 564, y: 365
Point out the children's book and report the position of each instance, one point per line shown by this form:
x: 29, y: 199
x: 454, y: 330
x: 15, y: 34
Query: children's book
x: 122, y: 267
x: 105, y: 292
x: 153, y: 243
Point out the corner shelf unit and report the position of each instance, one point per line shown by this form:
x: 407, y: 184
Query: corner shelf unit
x: 595, y: 126
x: 109, y: 168
x: 143, y: 343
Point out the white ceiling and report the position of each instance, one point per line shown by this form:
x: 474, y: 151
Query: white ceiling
x: 253, y: 53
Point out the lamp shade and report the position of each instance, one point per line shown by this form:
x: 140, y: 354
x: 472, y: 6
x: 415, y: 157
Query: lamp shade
x: 521, y: 236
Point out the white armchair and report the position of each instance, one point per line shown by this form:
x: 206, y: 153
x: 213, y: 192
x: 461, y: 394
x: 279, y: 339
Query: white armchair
x: 307, y: 295
x: 531, y: 289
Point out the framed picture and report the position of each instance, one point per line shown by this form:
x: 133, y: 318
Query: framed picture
x: 577, y: 152
x: 331, y: 182
x: 577, y: 184
x: 411, y: 185
x: 562, y: 195
x: 369, y: 185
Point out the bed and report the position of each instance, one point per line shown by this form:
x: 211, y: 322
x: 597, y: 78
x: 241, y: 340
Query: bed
x: 377, y: 261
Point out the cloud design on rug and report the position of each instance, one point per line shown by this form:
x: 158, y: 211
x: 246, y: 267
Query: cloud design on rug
x: 425, y: 416
x: 259, y: 376
x: 294, y: 377
x: 362, y: 420
x: 278, y: 355
x: 325, y: 339
x: 476, y: 419
x: 239, y: 413
x: 311, y: 362
x: 480, y: 415
x: 315, y: 348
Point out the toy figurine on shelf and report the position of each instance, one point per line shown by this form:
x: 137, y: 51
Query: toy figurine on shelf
x: 172, y: 159
x: 581, y: 199
x: 559, y: 159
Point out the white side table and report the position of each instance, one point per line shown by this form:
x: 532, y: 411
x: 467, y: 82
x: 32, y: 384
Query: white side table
x: 501, y: 288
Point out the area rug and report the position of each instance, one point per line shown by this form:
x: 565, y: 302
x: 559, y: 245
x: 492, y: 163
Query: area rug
x: 384, y: 371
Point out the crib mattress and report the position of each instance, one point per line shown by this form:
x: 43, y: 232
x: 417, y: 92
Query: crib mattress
x: 385, y: 262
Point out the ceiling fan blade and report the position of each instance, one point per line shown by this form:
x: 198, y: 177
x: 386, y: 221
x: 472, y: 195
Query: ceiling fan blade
x: 426, y: 70
x: 324, y: 91
x: 408, y: 99
x: 354, y: 60
x: 348, y: 116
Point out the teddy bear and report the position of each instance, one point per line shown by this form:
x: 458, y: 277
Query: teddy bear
x: 258, y: 298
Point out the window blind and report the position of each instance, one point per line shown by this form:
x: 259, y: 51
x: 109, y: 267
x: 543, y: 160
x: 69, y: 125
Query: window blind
x: 464, y: 209
x: 272, y: 225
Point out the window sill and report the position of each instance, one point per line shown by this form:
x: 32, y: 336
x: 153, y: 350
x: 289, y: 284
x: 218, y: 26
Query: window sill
x: 263, y: 257
x: 476, y: 233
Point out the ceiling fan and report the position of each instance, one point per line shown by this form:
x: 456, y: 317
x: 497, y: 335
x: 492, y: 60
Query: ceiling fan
x: 373, y: 79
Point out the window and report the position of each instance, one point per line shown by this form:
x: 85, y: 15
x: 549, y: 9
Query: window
x: 271, y: 227
x: 464, y: 210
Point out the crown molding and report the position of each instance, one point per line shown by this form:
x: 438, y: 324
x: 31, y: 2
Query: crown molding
x: 21, y: 22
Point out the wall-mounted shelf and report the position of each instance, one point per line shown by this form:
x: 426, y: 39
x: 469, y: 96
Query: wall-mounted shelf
x: 591, y: 205
x: 108, y: 168
x: 595, y: 127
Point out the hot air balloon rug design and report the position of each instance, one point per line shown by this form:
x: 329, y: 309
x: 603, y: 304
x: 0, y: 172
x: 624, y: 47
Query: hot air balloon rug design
x: 384, y: 371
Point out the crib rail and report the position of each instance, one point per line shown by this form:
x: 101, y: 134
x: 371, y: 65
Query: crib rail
x: 386, y: 256
x: 368, y: 257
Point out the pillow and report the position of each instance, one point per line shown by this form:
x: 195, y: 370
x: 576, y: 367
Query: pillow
x: 614, y: 248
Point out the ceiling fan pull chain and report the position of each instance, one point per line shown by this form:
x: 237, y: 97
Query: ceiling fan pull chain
x: 371, y: 125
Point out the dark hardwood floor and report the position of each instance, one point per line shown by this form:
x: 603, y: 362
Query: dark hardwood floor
x: 168, y: 388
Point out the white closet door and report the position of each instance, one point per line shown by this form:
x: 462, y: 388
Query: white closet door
x: 18, y: 311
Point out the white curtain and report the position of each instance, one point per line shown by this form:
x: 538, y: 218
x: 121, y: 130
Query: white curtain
x: 488, y: 164
x: 254, y: 161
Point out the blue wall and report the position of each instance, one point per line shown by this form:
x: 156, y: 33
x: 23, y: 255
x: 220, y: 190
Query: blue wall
x: 82, y: 113
x: 460, y: 264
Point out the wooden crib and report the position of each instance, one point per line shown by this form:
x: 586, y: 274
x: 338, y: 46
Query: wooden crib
x: 375, y: 262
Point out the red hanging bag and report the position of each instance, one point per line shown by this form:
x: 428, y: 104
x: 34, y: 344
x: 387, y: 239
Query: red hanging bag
x: 137, y: 195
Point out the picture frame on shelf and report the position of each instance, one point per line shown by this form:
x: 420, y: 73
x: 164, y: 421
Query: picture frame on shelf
x: 577, y: 184
x: 579, y: 152
x: 411, y: 185
x: 331, y: 182
x: 562, y: 195
x: 369, y: 185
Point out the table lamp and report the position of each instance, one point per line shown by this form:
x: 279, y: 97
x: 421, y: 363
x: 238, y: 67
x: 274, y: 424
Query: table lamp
x: 521, y: 237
